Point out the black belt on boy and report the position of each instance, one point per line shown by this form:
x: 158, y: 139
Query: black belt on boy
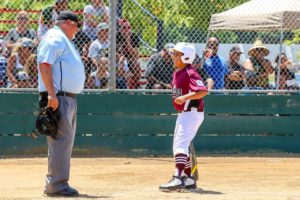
x: 191, y: 109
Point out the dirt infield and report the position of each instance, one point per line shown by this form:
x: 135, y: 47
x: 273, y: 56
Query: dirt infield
x: 226, y: 178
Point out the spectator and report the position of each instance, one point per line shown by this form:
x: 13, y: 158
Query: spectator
x: 287, y: 80
x: 29, y: 75
x: 123, y: 73
x: 258, y: 67
x: 99, y: 78
x: 21, y: 30
x: 160, y: 69
x: 3, y: 65
x: 17, y: 60
x: 215, y: 65
x: 94, y: 14
x: 209, y: 82
x: 236, y: 75
x: 49, y: 15
x: 99, y: 47
x: 82, y: 43
x: 3, y: 46
x: 130, y: 43
x: 89, y: 66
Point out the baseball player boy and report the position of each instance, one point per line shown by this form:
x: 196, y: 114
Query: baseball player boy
x: 188, y: 90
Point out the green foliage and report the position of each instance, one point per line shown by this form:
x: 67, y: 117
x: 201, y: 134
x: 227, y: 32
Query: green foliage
x: 295, y: 40
x: 184, y: 20
x: 32, y: 5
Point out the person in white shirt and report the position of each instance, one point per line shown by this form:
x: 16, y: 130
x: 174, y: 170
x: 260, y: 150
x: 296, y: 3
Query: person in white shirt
x: 99, y: 47
x: 49, y: 15
x: 94, y: 14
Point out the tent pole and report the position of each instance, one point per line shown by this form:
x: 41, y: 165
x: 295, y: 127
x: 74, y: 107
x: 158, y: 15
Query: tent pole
x: 279, y: 60
x: 202, y: 56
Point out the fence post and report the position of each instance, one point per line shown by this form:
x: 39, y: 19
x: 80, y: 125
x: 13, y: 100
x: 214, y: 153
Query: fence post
x: 112, y: 44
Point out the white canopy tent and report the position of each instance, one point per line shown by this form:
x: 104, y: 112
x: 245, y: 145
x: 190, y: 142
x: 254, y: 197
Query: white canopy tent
x: 260, y: 15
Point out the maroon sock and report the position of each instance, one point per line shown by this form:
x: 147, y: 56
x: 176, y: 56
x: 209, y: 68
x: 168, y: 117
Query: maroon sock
x: 188, y: 167
x: 180, y: 163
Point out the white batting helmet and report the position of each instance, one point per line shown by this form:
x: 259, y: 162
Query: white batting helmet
x: 188, y: 50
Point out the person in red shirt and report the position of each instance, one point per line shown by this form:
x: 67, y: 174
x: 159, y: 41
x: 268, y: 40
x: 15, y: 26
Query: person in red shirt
x: 188, y: 90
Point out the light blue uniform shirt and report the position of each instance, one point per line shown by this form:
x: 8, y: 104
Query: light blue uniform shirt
x: 56, y: 48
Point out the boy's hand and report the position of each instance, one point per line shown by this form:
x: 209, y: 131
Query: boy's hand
x: 180, y: 100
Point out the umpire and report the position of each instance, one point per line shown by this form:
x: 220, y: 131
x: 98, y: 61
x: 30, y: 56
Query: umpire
x: 61, y: 76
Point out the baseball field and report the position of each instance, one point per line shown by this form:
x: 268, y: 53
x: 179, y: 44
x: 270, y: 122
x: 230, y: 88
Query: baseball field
x: 221, y: 178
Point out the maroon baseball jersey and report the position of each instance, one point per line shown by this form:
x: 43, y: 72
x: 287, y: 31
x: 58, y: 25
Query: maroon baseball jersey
x: 185, y: 81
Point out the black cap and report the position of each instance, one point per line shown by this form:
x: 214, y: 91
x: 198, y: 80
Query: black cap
x: 67, y: 14
x: 235, y: 49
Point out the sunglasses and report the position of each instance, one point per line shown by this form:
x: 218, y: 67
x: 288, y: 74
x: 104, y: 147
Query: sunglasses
x: 126, y: 27
x: 213, y: 45
x: 260, y: 50
x: 175, y: 53
x: 22, y: 18
x: 29, y: 48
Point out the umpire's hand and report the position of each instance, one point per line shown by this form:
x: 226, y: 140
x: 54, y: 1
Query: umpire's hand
x: 52, y: 102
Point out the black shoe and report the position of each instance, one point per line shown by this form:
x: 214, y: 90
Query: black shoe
x: 68, y: 191
x: 175, y: 183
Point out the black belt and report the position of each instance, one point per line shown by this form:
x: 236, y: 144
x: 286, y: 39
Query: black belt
x: 63, y: 93
x: 60, y: 93
x: 190, y: 109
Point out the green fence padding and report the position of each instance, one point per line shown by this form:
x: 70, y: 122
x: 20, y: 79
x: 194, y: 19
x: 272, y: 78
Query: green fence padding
x: 124, y: 103
x: 255, y: 125
x: 17, y: 123
x: 18, y: 102
x: 151, y: 145
x: 125, y: 124
x: 144, y: 123
x: 253, y: 104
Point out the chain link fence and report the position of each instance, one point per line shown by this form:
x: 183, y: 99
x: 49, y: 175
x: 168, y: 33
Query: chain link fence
x: 241, y: 45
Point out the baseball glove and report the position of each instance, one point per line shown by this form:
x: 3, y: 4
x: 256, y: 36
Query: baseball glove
x: 46, y: 122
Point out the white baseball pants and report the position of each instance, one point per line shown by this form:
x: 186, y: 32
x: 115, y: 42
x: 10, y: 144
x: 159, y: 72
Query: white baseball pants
x: 187, y: 125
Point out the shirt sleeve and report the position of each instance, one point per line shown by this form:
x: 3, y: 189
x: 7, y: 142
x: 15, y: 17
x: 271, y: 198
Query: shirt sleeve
x: 107, y: 9
x: 196, y: 82
x: 88, y: 9
x: 93, y: 51
x: 150, y: 66
x: 9, y: 36
x: 32, y: 33
x: 225, y: 67
x: 50, y: 50
x: 126, y: 68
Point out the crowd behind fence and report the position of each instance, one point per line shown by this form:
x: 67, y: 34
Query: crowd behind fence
x: 143, y: 33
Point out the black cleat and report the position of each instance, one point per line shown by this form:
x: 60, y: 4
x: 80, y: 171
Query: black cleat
x: 67, y: 192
